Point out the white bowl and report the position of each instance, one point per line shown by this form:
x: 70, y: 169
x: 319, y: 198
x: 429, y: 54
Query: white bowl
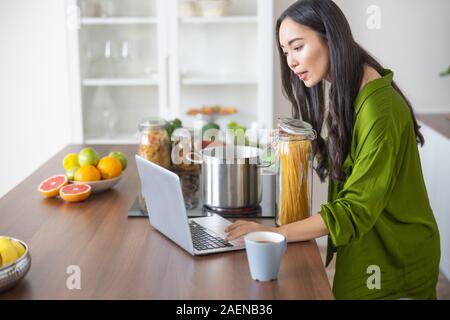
x: 213, y: 8
x: 101, y: 185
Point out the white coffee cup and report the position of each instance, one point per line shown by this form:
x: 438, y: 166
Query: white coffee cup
x: 264, y: 252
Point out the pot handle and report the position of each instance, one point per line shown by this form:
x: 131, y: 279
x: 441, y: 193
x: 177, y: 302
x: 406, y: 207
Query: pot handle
x: 264, y: 164
x: 192, y: 158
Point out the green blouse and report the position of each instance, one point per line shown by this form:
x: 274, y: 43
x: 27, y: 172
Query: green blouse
x: 379, y: 220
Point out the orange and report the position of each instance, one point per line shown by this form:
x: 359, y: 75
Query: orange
x: 75, y: 192
x: 87, y: 173
x: 50, y: 187
x: 109, y: 167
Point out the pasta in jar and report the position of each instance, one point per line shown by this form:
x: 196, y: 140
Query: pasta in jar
x: 294, y: 171
x: 183, y: 144
x: 294, y: 201
x: 188, y: 172
x: 154, y: 144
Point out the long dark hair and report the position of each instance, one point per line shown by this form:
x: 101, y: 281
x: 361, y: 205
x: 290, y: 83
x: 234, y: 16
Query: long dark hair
x: 347, y: 60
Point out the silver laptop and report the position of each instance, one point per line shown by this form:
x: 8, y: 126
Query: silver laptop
x: 162, y: 192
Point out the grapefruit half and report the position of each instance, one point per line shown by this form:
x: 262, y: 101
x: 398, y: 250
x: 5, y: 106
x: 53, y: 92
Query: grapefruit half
x: 75, y: 192
x: 50, y: 187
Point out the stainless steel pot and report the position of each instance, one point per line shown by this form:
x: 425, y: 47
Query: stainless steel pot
x: 231, y: 176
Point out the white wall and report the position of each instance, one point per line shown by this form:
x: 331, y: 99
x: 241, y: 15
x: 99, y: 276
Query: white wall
x: 413, y: 41
x: 34, y: 101
x: 282, y: 108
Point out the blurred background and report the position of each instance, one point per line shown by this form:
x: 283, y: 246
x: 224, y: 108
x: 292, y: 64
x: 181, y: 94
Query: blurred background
x: 87, y: 71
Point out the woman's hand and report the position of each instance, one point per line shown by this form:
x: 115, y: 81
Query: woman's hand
x: 241, y: 228
x: 309, y: 228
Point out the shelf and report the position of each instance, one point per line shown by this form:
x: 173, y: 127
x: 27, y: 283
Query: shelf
x: 149, y: 81
x: 118, y: 20
x: 121, y: 138
x: 225, y: 19
x: 217, y: 80
x: 178, y: 62
x: 113, y: 140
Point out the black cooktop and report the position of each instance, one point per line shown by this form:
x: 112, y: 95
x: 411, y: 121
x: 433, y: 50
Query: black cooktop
x: 266, y: 209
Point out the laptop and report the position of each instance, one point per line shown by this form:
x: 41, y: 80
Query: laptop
x: 161, y: 189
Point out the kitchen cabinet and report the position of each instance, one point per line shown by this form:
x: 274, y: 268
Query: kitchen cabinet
x: 134, y: 59
x: 434, y: 156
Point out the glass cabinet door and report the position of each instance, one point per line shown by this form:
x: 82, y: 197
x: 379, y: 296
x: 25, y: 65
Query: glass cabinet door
x: 141, y: 58
x: 119, y: 67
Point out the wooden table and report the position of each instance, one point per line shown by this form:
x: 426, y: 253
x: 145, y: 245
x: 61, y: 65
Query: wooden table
x: 125, y: 258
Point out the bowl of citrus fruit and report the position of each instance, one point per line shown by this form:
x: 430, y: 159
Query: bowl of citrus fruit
x: 15, y: 261
x: 86, y: 173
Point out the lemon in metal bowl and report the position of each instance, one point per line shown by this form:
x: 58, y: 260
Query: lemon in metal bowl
x: 15, y: 262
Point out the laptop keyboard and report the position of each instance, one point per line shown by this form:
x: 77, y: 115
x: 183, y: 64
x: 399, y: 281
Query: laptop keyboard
x: 203, y: 240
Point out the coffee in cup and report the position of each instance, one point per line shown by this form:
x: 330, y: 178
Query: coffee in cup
x: 264, y: 252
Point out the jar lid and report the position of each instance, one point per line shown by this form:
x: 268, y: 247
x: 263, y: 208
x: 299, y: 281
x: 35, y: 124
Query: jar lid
x: 297, y: 127
x: 152, y: 123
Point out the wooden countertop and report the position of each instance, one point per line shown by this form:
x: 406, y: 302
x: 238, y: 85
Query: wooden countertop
x: 125, y: 258
x: 440, y: 122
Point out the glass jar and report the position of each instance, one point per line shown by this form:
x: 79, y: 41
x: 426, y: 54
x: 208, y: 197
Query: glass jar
x: 293, y: 162
x: 188, y: 172
x: 183, y: 143
x: 154, y: 145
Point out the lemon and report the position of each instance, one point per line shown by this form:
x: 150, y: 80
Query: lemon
x: 70, y: 161
x: 19, y: 247
x: 7, y: 251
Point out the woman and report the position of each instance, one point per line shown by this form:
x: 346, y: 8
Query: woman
x: 378, y: 215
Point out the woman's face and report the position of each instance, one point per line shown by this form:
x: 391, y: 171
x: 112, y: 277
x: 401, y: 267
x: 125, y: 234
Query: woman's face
x: 306, y: 52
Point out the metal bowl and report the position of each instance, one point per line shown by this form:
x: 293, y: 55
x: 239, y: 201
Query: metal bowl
x: 11, y: 274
